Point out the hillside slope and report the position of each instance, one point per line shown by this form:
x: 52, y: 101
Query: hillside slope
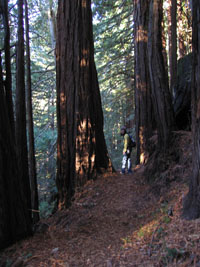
x: 119, y: 220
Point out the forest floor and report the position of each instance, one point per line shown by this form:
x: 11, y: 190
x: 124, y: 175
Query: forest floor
x: 119, y: 220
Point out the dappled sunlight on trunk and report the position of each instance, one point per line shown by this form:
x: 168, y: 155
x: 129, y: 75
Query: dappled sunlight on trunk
x: 85, y: 151
x: 141, y: 34
x: 82, y: 151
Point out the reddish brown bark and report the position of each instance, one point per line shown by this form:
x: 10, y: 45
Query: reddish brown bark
x: 159, y: 81
x: 144, y: 109
x: 82, y: 151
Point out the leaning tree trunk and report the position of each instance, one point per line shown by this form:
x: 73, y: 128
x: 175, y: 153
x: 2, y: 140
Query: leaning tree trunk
x: 13, y: 211
x: 191, y: 209
x: 159, y: 82
x: 143, y: 105
x: 82, y: 151
x: 21, y: 138
x: 31, y: 150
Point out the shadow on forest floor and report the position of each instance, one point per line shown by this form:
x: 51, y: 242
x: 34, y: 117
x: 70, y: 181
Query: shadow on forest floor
x: 117, y: 220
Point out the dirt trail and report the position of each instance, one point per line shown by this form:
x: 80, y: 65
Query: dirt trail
x: 96, y: 229
x: 119, y: 221
x: 115, y: 221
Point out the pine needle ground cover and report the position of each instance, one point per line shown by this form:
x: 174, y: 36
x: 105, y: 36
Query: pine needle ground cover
x: 118, y: 220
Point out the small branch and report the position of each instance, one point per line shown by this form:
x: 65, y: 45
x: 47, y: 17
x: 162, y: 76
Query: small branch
x: 35, y: 210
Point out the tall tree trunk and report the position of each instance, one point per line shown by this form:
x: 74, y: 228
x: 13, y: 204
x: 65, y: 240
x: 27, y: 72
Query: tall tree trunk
x: 13, y: 213
x: 31, y: 150
x: 8, y: 80
x: 51, y: 104
x: 191, y: 209
x: 173, y: 69
x: 82, y: 151
x: 172, y: 35
x: 21, y: 138
x: 144, y: 114
x: 159, y: 82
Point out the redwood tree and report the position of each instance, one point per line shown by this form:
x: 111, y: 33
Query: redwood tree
x: 21, y: 138
x: 144, y: 109
x: 159, y: 81
x: 14, y: 216
x: 31, y: 150
x: 82, y: 151
x: 192, y: 202
x: 8, y: 79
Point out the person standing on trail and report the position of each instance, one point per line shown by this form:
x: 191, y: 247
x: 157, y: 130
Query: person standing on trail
x: 126, y: 160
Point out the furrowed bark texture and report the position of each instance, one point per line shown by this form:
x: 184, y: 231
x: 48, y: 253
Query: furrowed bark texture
x: 82, y: 151
x: 144, y: 108
x: 161, y: 97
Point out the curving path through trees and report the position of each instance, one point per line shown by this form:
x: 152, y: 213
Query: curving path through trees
x: 98, y: 229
